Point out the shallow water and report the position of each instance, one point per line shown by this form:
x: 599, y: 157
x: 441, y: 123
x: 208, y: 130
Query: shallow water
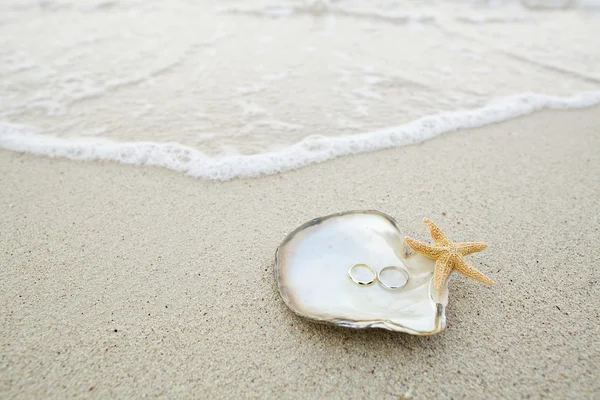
x: 239, y: 88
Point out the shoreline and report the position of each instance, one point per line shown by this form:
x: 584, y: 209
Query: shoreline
x: 310, y: 150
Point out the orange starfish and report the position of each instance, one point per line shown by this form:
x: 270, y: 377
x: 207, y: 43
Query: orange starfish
x: 448, y: 255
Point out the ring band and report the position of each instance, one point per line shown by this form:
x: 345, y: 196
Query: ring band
x: 359, y: 282
x: 393, y: 287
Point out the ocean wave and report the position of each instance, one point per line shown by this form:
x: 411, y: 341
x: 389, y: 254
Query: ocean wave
x: 317, y: 8
x: 310, y: 150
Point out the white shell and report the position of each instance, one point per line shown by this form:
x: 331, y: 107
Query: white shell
x: 311, y: 270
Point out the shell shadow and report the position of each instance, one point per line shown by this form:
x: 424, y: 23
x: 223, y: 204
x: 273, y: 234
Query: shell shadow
x: 367, y: 337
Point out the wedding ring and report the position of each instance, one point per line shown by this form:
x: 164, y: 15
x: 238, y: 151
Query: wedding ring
x: 388, y: 285
x: 363, y: 282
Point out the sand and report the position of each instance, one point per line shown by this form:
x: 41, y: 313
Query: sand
x: 125, y: 282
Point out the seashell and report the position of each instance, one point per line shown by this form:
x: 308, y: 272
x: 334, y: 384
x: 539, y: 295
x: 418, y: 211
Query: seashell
x: 312, y: 265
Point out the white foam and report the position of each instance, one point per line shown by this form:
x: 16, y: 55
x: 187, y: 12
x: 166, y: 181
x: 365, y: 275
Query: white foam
x: 311, y: 150
x: 325, y: 7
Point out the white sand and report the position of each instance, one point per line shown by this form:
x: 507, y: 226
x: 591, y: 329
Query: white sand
x: 126, y: 282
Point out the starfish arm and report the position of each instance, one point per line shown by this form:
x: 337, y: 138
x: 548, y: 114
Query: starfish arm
x: 428, y: 250
x: 470, y: 247
x: 436, y: 233
x: 461, y: 265
x: 443, y: 267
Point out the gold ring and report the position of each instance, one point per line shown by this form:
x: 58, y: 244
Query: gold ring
x: 393, y: 287
x: 359, y: 282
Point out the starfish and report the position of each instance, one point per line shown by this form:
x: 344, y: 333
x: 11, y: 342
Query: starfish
x: 449, y: 256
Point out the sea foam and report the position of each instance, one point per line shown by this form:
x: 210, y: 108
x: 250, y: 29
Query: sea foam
x: 312, y: 149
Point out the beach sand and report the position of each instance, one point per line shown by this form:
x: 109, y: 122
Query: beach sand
x: 126, y: 282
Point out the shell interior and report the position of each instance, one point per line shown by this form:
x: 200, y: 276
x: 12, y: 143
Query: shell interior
x: 311, y: 270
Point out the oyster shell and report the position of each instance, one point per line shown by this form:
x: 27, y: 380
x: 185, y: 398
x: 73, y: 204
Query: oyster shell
x: 311, y: 270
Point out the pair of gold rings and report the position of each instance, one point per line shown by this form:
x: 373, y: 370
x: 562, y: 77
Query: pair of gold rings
x: 378, y: 276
